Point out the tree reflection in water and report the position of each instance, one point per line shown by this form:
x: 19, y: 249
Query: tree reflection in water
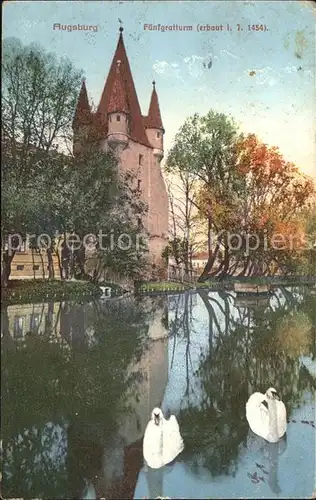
x: 64, y: 387
x: 248, y: 352
x: 68, y: 388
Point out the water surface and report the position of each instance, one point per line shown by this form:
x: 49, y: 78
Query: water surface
x: 79, y: 382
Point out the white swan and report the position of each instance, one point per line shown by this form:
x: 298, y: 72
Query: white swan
x: 162, y: 440
x: 266, y: 415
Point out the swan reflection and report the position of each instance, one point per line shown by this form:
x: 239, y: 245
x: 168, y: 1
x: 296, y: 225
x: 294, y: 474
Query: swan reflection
x: 270, y: 453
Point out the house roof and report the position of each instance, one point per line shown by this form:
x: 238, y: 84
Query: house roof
x: 200, y: 256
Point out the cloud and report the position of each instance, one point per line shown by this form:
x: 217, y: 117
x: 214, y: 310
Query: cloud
x: 224, y: 51
x: 295, y: 69
x: 167, y: 70
x: 262, y: 76
x: 271, y: 76
x: 160, y: 67
x: 190, y: 66
x: 289, y: 69
x: 194, y: 65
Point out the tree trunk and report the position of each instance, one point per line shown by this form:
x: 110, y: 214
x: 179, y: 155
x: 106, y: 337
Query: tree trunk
x: 186, y: 262
x: 218, y: 271
x: 6, y: 267
x: 250, y: 269
x: 59, y: 263
x: 226, y: 262
x: 243, y: 272
x: 79, y: 259
x: 210, y: 262
x: 51, y: 271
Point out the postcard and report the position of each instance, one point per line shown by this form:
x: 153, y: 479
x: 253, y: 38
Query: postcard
x: 158, y: 257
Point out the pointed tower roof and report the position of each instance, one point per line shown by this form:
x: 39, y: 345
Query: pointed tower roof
x: 118, y: 98
x: 153, y: 120
x: 137, y: 132
x: 83, y: 112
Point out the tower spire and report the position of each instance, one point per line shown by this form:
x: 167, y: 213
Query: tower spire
x: 154, y: 117
x: 118, y: 99
x: 137, y: 129
x: 83, y: 112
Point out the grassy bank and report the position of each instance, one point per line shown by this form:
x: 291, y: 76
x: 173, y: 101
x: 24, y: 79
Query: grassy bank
x: 161, y: 286
x: 24, y: 291
x: 229, y: 281
x: 224, y: 284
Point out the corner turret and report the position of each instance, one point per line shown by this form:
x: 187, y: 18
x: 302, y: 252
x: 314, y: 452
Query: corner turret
x: 82, y: 120
x: 153, y: 124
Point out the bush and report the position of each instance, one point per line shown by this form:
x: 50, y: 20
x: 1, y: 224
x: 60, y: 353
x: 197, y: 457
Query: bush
x: 24, y: 291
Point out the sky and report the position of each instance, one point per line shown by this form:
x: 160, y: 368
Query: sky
x: 266, y: 80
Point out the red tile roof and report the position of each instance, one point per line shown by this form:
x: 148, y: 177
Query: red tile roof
x: 153, y: 120
x: 83, y: 112
x: 118, y: 98
x: 138, y: 133
x: 200, y: 256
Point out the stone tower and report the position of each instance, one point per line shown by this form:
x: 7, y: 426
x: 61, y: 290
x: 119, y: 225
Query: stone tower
x: 137, y: 140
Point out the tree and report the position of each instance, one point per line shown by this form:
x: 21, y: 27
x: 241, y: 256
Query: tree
x: 206, y: 147
x: 253, y: 200
x: 48, y: 190
x: 38, y: 98
x: 185, y: 225
x: 275, y: 196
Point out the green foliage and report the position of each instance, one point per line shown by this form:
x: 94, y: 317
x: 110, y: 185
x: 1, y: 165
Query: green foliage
x: 22, y: 292
x: 206, y: 147
x: 49, y: 191
x: 238, y: 180
x: 178, y: 249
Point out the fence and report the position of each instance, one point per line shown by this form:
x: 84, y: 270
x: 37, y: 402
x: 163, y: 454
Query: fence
x: 179, y: 275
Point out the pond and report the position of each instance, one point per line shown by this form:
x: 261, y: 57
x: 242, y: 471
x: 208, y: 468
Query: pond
x: 79, y: 382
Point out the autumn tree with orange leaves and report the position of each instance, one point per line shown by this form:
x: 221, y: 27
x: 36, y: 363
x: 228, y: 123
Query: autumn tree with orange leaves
x: 253, y: 201
x: 274, y: 198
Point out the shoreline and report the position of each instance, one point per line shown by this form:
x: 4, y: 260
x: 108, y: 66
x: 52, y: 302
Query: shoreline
x: 47, y: 290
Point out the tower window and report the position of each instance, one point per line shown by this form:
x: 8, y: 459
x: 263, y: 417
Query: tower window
x: 140, y: 159
x: 158, y: 135
x: 139, y: 222
x: 139, y: 183
x: 118, y: 118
